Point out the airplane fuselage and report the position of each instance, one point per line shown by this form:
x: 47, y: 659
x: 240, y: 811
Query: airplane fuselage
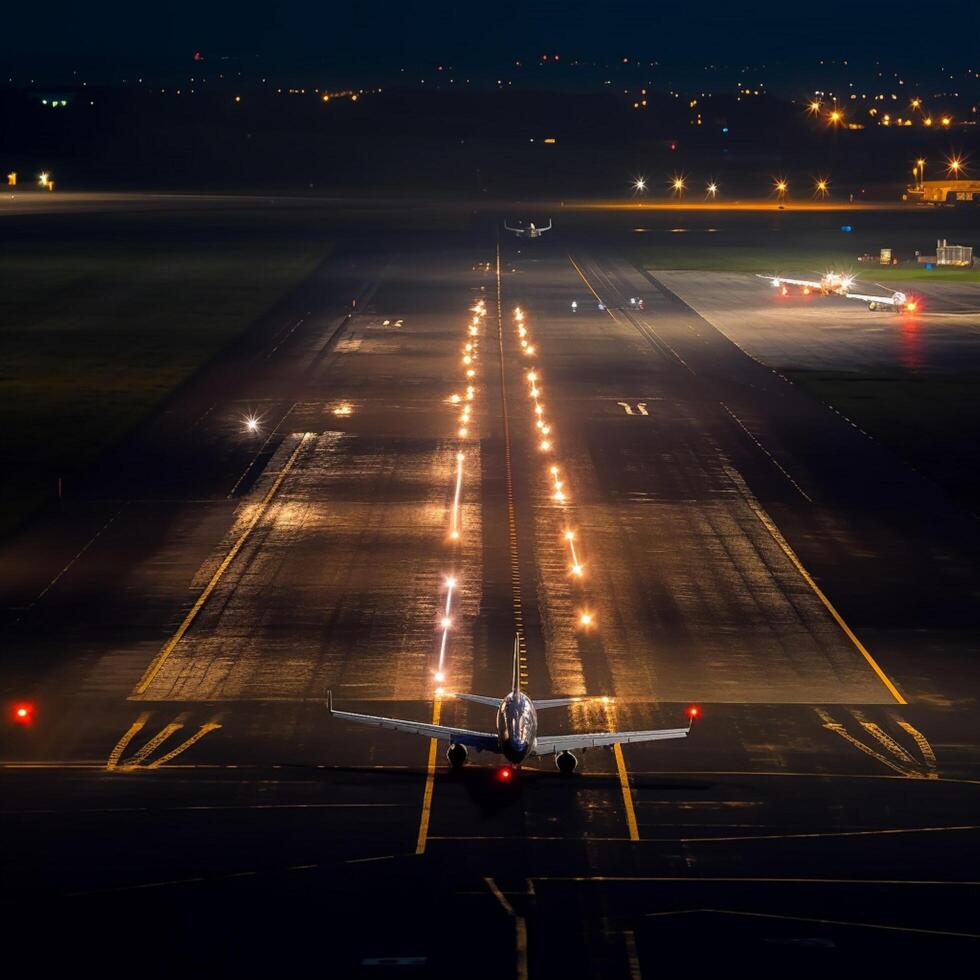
x: 517, y: 726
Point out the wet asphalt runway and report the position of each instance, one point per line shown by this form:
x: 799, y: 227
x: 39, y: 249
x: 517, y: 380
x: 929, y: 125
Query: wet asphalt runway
x: 182, y: 801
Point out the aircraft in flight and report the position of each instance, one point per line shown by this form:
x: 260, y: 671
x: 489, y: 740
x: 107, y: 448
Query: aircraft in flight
x: 516, y: 738
x: 840, y: 285
x: 531, y: 230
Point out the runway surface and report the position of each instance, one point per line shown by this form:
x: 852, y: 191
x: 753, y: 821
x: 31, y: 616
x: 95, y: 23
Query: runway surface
x: 175, y: 626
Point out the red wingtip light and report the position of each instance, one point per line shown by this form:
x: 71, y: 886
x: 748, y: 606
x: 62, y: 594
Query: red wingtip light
x: 23, y: 713
x: 504, y: 774
x: 693, y: 712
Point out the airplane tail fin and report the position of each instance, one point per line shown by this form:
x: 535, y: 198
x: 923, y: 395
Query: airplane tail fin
x: 517, y: 664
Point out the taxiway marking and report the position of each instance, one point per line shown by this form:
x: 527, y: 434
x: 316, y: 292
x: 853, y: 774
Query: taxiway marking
x: 624, y: 785
x: 430, y: 780
x: 171, y: 644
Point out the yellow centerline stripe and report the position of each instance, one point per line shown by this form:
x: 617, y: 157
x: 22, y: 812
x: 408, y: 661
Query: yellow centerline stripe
x: 171, y: 644
x: 624, y: 784
x: 777, y: 536
x: 430, y: 780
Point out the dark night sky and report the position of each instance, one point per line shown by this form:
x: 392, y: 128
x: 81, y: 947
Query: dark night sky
x: 109, y: 38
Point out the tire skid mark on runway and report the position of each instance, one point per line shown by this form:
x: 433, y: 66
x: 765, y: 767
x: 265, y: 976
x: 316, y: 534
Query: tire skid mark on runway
x: 139, y: 759
x: 924, y: 747
x: 838, y: 729
x: 169, y: 647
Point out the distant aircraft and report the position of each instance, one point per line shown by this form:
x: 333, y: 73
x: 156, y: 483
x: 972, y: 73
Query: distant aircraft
x: 517, y: 728
x: 840, y: 285
x: 531, y: 231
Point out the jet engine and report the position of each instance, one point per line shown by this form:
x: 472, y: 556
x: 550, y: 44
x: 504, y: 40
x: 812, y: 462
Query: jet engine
x: 566, y: 763
x: 456, y: 754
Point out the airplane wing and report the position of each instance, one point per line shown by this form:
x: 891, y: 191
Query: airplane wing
x: 478, y: 699
x: 568, y: 743
x: 518, y: 229
x: 783, y: 281
x: 557, y: 702
x: 546, y: 227
x: 882, y: 300
x: 461, y: 736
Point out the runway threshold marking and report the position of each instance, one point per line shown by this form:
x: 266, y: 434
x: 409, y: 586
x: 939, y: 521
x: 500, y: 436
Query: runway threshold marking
x: 430, y: 781
x: 766, y: 521
x: 171, y: 644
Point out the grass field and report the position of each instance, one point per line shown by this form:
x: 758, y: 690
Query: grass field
x: 799, y: 243
x: 95, y: 332
x: 930, y: 420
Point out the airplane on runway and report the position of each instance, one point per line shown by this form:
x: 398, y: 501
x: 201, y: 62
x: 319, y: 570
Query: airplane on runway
x: 517, y: 736
x: 531, y: 231
x: 834, y: 283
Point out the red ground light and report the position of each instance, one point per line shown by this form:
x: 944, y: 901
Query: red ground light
x: 23, y: 713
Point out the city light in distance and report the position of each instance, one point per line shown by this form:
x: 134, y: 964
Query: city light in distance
x: 251, y: 423
x: 640, y: 184
x: 712, y: 189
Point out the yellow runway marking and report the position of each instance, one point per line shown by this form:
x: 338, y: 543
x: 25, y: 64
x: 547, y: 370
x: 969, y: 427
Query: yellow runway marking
x: 787, y: 550
x: 924, y: 747
x: 171, y: 644
x: 889, y: 743
x: 116, y: 753
x: 196, y: 737
x: 430, y: 780
x: 624, y: 784
x: 154, y: 743
x: 839, y: 729
x: 784, y: 545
